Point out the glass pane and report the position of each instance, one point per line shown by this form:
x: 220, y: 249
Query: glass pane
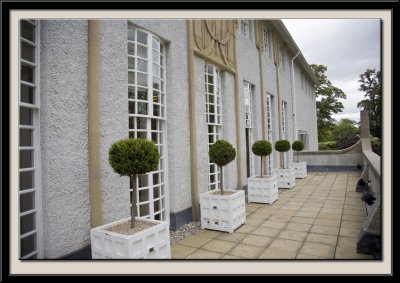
x: 156, y: 110
x: 142, y: 108
x: 141, y: 37
x: 211, y: 109
x: 27, y: 52
x: 141, y: 123
x: 142, y: 135
x: 156, y: 57
x: 142, y: 93
x: 131, y: 63
x: 156, y: 179
x: 25, y: 158
x: 26, y: 180
x: 210, y: 89
x: 27, y: 31
x: 131, y: 135
x: 210, y: 79
x: 131, y: 92
x: 156, y: 83
x: 131, y: 34
x: 143, y: 195
x: 142, y: 51
x: 25, y: 137
x: 156, y: 192
x: 212, y: 119
x: 26, y: 202
x: 27, y: 223
x: 156, y: 96
x: 131, y: 123
x: 154, y: 124
x: 156, y: 70
x: 143, y: 181
x: 212, y: 168
x: 212, y: 178
x: 131, y: 78
x: 142, y: 65
x: 131, y: 107
x: 142, y: 79
x: 144, y: 209
x: 28, y: 245
x: 158, y: 217
x: 154, y: 137
x: 131, y: 48
x: 157, y: 205
x: 27, y: 94
x: 156, y: 44
x: 27, y: 73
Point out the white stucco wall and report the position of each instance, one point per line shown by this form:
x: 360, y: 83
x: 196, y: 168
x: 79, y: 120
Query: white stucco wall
x: 64, y: 136
x: 173, y: 32
x: 113, y: 115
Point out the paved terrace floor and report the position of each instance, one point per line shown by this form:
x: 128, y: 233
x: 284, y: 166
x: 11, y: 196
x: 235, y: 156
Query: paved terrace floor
x: 319, y: 218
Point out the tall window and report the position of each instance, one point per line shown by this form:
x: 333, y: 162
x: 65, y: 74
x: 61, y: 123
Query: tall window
x: 30, y: 213
x: 146, y: 99
x: 245, y: 27
x: 284, y: 120
x: 303, y: 136
x: 267, y: 42
x: 213, y: 118
x: 269, y: 108
x: 248, y: 102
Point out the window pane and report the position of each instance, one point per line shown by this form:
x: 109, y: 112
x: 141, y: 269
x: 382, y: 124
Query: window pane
x: 143, y: 195
x: 156, y: 96
x: 27, y: 223
x: 156, y: 70
x: 27, y: 73
x: 27, y: 31
x: 131, y: 135
x: 142, y: 51
x: 143, y: 182
x: 131, y: 48
x: 142, y: 79
x: 25, y: 158
x: 27, y: 94
x: 141, y: 123
x: 131, y: 63
x: 142, y: 93
x: 142, y: 108
x: 131, y: 92
x: 27, y: 52
x: 156, y: 44
x: 25, y: 137
x: 154, y: 137
x: 154, y: 124
x: 156, y: 57
x: 28, y: 245
x: 26, y: 180
x: 156, y: 83
x: 156, y: 110
x: 142, y: 65
x: 131, y: 107
x: 131, y: 34
x: 26, y: 202
x: 156, y: 192
x: 144, y: 209
x: 141, y: 37
x: 156, y: 179
x: 131, y: 78
x: 157, y: 206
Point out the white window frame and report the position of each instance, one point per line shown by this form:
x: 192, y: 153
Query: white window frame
x: 213, y: 118
x: 249, y: 120
x: 153, y: 126
x: 269, y: 123
x: 35, y: 147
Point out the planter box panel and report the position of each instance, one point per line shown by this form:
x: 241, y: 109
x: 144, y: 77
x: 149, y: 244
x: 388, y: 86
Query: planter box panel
x: 153, y: 242
x: 262, y: 190
x: 222, y: 212
x: 286, y: 178
x: 300, y: 169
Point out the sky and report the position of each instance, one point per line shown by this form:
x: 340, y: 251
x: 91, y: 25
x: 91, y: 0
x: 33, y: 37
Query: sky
x: 348, y: 47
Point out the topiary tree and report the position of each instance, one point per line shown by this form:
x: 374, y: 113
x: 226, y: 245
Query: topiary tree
x: 282, y: 146
x: 298, y: 146
x: 222, y: 153
x: 262, y: 148
x: 130, y: 157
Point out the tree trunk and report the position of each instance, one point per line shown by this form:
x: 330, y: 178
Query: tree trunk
x: 133, y: 207
x: 222, y: 180
x: 261, y: 172
x: 281, y: 159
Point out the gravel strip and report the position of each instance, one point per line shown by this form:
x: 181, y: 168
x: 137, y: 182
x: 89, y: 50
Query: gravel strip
x: 184, y: 231
x: 125, y: 228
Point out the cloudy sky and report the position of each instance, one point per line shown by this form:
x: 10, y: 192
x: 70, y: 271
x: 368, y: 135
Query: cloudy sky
x: 346, y: 46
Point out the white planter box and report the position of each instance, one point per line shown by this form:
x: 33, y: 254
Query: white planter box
x: 222, y: 212
x: 300, y: 169
x: 152, y: 242
x: 286, y: 178
x: 262, y: 190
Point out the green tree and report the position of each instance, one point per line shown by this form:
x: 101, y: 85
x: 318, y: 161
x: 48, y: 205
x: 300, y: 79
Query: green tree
x: 328, y: 102
x: 371, y: 85
x: 344, y: 129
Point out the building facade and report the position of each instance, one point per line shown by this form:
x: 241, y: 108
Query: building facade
x: 182, y: 83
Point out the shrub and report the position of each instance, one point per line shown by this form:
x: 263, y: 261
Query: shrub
x: 297, y: 146
x: 330, y: 145
x: 262, y: 148
x: 376, y: 146
x: 346, y: 142
x: 221, y: 153
x: 130, y: 157
x: 282, y: 146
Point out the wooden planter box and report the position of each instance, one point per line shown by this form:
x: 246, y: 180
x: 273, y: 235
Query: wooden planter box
x: 262, y: 190
x: 286, y: 178
x: 300, y: 169
x: 151, y: 243
x: 222, y: 212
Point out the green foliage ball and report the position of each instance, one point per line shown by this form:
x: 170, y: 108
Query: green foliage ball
x: 222, y: 152
x: 133, y: 156
x: 282, y: 145
x: 298, y: 146
x: 262, y: 148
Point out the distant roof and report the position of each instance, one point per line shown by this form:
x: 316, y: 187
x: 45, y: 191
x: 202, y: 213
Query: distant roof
x: 291, y: 44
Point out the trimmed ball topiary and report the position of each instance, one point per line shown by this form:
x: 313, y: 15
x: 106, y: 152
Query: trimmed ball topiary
x: 222, y: 153
x: 282, y: 145
x: 297, y: 146
x: 262, y: 148
x: 130, y: 157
